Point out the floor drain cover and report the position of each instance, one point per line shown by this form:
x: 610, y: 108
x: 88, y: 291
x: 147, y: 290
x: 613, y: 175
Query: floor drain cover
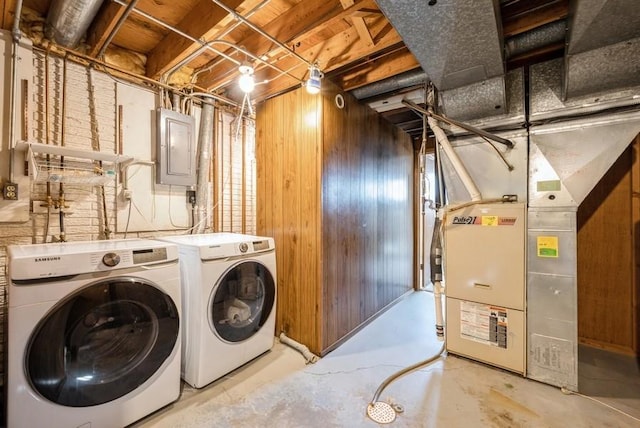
x: 381, y: 412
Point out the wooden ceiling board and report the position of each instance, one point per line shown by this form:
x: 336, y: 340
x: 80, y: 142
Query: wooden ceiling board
x: 203, y: 22
x: 139, y: 34
x: 379, y: 67
x: 284, y: 29
x: 338, y: 51
x: 170, y: 11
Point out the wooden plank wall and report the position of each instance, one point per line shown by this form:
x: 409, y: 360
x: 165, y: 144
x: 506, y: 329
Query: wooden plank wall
x: 606, y: 286
x: 367, y: 211
x: 337, y: 197
x: 288, y: 208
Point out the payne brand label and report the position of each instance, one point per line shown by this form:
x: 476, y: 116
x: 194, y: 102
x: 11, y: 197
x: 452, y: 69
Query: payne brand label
x: 484, y: 220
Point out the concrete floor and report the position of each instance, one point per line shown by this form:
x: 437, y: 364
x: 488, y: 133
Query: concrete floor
x: 279, y: 390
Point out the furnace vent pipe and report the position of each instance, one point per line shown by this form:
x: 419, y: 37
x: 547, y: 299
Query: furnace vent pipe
x: 204, y: 160
x: 457, y: 164
x: 68, y: 20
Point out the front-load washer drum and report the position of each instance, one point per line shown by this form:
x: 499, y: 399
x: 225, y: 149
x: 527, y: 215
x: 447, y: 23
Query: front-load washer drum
x: 101, y: 342
x: 241, y: 301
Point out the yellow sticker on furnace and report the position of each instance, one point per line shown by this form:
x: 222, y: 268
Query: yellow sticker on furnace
x: 489, y: 220
x: 548, y: 246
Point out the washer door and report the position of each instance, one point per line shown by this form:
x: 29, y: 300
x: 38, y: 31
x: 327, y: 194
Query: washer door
x: 242, y: 301
x: 101, y: 342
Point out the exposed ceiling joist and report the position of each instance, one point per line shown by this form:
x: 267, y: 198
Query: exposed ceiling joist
x: 300, y: 19
x: 378, y: 67
x: 334, y: 53
x: 202, y: 22
x: 103, y: 25
x: 305, y: 28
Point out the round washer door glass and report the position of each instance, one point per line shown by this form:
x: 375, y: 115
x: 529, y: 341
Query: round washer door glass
x: 242, y: 301
x: 102, y: 342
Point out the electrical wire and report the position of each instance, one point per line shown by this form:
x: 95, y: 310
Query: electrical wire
x: 126, y: 228
x: 170, y: 217
x: 569, y: 392
x: 506, y: 162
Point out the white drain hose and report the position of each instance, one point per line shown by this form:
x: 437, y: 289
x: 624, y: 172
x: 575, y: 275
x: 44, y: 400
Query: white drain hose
x: 309, y: 356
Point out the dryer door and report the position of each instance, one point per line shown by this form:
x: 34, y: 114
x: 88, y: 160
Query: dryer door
x: 242, y: 301
x: 101, y: 342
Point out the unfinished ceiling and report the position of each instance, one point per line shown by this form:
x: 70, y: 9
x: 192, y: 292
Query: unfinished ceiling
x: 381, y: 48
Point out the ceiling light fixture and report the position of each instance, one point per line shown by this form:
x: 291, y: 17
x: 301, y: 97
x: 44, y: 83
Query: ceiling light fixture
x: 314, y: 83
x: 246, y: 81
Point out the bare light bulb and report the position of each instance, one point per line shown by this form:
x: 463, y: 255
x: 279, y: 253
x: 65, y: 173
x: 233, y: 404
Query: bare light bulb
x: 246, y: 81
x: 314, y: 83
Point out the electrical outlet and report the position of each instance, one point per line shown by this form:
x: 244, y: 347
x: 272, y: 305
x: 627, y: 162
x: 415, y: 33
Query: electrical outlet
x: 10, y: 191
x: 127, y: 194
x: 191, y: 197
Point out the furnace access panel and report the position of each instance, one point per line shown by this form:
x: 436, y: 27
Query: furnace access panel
x: 484, y: 250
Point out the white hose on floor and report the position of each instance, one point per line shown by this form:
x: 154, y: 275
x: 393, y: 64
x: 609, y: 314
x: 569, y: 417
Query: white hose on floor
x: 309, y: 356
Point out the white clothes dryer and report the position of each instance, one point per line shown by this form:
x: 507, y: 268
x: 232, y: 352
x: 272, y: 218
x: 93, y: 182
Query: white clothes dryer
x: 229, y: 302
x: 93, y: 332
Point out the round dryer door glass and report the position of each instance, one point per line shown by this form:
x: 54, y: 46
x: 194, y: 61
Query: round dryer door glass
x: 102, y: 342
x: 242, y: 301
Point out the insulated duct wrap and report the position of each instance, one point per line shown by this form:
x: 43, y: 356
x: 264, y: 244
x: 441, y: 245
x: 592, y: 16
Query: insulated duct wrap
x: 461, y: 47
x: 462, y: 44
x: 68, y: 20
x: 205, y: 140
x: 603, y: 51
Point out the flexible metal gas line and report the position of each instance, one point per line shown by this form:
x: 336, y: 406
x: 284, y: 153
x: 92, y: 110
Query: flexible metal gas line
x: 464, y: 126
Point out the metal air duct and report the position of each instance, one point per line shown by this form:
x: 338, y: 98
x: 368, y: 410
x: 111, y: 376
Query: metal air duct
x: 566, y: 161
x: 456, y: 43
x: 603, y: 50
x: 68, y: 20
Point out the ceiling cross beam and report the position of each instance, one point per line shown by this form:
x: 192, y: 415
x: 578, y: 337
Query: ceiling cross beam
x: 202, y: 22
x: 300, y: 22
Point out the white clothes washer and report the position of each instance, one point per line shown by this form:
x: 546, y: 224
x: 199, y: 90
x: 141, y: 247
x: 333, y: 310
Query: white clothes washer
x: 229, y: 302
x: 93, y: 332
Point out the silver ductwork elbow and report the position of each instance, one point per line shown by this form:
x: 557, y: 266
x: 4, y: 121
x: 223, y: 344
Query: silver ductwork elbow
x: 68, y: 20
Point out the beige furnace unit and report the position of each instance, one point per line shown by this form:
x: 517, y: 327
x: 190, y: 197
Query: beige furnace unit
x: 484, y: 260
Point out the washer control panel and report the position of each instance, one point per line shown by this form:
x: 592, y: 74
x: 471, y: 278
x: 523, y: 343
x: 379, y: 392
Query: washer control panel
x: 243, y: 247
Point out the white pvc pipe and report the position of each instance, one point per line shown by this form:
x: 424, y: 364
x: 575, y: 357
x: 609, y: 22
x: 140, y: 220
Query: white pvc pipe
x: 437, y: 294
x: 309, y: 356
x: 457, y: 164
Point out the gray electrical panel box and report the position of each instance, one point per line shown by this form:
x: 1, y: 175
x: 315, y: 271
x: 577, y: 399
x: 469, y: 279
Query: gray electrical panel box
x: 176, y: 149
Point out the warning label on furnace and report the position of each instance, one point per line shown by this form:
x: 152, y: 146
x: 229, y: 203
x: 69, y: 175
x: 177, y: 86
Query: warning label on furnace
x: 483, y: 323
